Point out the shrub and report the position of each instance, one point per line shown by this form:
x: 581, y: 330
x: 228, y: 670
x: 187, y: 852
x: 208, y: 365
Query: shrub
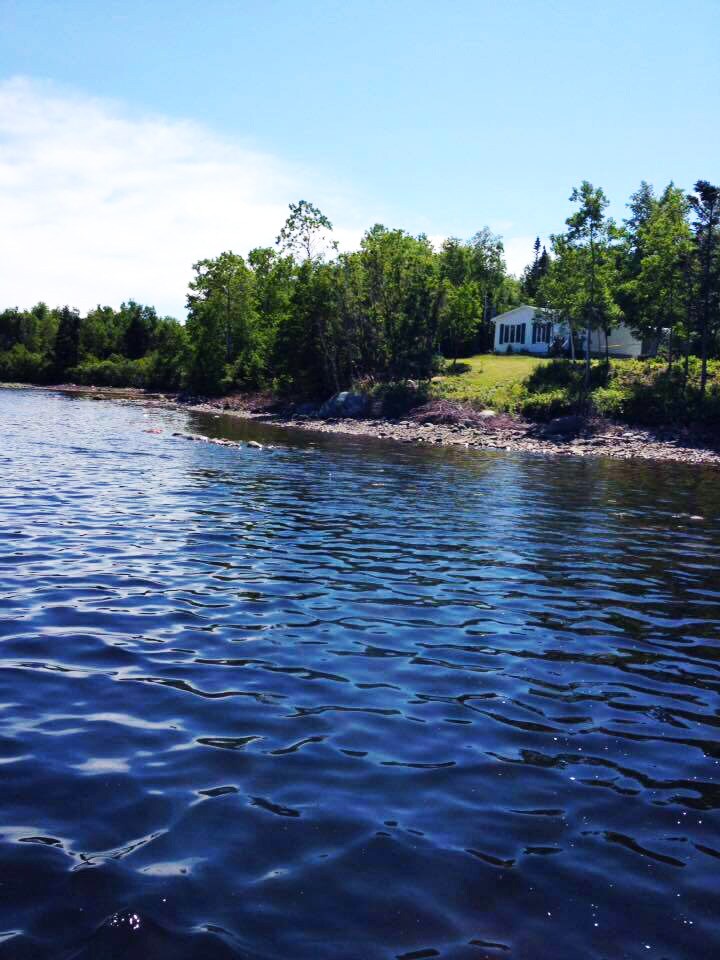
x: 116, y: 371
x: 399, y: 396
x: 20, y: 364
x: 545, y: 406
x: 567, y: 373
x: 610, y: 401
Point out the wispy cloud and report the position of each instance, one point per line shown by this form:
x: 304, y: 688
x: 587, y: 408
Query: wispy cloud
x: 99, y: 205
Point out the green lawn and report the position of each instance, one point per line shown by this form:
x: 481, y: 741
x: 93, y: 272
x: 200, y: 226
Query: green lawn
x: 487, y: 379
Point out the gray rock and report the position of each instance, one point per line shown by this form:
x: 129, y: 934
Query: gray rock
x: 345, y: 404
x: 563, y: 426
x: 305, y: 409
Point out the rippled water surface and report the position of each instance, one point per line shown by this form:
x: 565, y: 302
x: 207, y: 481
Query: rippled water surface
x: 350, y: 700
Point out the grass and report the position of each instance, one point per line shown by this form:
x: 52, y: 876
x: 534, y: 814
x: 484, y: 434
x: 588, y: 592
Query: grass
x: 489, y: 380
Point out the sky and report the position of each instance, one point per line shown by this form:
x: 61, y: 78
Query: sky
x: 137, y: 138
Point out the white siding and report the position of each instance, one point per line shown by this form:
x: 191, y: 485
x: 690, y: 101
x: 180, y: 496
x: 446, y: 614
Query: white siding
x: 508, y: 335
x: 509, y: 332
x: 621, y: 342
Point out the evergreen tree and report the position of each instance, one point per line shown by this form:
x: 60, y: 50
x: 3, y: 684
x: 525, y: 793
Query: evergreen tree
x: 705, y: 204
x: 67, y: 341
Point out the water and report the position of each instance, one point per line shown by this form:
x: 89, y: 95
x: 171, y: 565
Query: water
x: 350, y: 700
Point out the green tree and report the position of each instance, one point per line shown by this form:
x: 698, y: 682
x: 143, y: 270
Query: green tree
x: 403, y: 300
x: 534, y: 272
x: 705, y: 205
x: 138, y: 323
x: 658, y: 291
x: 460, y: 314
x: 222, y: 325
x: 588, y: 242
x: 305, y: 231
x: 67, y: 341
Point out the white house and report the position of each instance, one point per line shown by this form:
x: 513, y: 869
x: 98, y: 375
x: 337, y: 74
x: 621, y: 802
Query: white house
x: 528, y: 329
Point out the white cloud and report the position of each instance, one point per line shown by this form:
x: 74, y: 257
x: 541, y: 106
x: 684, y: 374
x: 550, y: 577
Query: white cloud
x: 518, y: 253
x: 98, y: 206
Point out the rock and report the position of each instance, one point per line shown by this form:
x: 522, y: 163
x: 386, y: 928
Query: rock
x: 345, y: 404
x: 563, y: 426
x: 487, y: 413
x: 305, y: 409
x: 254, y: 444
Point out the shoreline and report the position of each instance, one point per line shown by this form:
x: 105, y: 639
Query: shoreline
x: 467, y: 429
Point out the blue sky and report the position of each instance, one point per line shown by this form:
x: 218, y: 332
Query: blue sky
x: 141, y: 136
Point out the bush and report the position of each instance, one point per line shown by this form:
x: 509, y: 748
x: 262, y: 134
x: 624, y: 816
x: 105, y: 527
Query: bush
x: 610, y: 401
x: 545, y: 406
x: 20, y: 364
x: 397, y: 397
x: 114, y: 372
x: 568, y: 373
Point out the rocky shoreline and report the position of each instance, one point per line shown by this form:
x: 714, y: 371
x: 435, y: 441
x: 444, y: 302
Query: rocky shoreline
x: 440, y: 423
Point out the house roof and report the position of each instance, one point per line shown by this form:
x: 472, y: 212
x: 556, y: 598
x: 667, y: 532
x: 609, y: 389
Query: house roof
x: 508, y: 315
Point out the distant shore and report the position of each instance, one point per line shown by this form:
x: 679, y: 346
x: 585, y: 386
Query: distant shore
x: 444, y: 424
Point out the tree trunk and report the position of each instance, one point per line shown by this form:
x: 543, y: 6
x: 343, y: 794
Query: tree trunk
x: 704, y: 359
x: 587, y: 358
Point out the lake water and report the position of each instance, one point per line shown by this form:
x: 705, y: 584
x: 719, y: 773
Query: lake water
x: 350, y: 700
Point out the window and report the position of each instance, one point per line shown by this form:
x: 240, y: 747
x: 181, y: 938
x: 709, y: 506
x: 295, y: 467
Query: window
x: 542, y: 332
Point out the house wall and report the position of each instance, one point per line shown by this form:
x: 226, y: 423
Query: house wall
x: 521, y: 316
x: 621, y: 341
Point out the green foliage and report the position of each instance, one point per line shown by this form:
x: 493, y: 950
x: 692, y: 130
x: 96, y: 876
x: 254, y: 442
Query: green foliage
x: 569, y: 375
x: 114, y: 372
x: 610, y: 402
x: 139, y: 324
x: 545, y: 406
x: 398, y: 397
x: 22, y: 366
x: 460, y: 315
x: 67, y: 341
x: 581, y: 282
x: 304, y: 230
x: 226, y: 339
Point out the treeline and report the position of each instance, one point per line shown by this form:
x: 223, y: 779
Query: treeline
x: 301, y: 317
x: 297, y: 317
x: 131, y: 346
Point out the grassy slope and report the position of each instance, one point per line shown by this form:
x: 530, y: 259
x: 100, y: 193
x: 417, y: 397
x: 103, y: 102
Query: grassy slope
x: 486, y: 379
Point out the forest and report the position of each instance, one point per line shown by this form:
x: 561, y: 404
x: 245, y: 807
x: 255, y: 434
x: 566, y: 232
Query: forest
x: 305, y: 320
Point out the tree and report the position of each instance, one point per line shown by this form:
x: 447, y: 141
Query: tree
x: 460, y: 314
x: 705, y: 204
x: 67, y: 341
x: 304, y: 231
x: 589, y: 236
x: 222, y: 324
x: 657, y: 293
x: 139, y: 323
x: 402, y: 300
x: 535, y: 271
